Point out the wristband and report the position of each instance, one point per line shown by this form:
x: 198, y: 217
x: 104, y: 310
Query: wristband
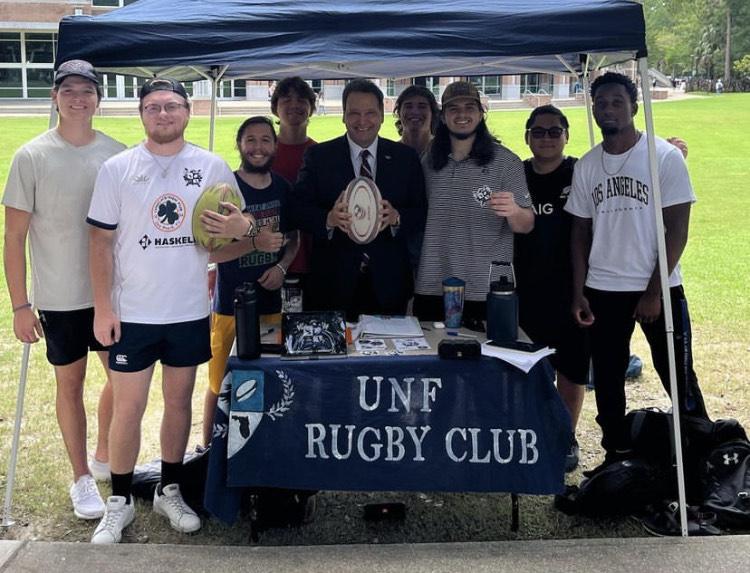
x: 26, y: 305
x: 282, y: 269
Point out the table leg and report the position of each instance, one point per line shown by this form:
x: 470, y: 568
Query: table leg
x: 514, y: 511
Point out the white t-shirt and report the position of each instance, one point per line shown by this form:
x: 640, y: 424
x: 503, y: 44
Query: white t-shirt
x: 615, y: 191
x: 159, y: 271
x: 53, y: 180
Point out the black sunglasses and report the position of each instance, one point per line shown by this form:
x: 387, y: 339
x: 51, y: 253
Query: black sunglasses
x: 552, y: 132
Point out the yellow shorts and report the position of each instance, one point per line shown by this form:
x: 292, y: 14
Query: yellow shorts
x: 222, y: 339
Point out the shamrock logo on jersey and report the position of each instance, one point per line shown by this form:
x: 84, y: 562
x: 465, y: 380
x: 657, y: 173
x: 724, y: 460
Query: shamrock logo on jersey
x: 168, y: 212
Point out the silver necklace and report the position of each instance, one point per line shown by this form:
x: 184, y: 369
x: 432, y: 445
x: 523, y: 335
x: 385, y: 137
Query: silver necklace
x: 627, y: 156
x: 164, y: 168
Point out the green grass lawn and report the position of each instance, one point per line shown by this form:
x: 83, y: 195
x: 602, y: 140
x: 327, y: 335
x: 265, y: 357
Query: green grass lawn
x: 716, y: 267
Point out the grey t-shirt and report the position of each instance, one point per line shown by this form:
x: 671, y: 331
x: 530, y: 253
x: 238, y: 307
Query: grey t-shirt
x: 463, y: 235
x: 53, y: 180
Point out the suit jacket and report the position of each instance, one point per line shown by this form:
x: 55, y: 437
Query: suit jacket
x: 326, y: 171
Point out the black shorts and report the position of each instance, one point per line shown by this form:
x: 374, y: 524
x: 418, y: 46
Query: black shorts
x: 179, y: 344
x: 69, y: 335
x: 551, y: 323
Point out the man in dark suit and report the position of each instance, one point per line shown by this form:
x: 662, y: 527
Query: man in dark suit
x: 375, y: 277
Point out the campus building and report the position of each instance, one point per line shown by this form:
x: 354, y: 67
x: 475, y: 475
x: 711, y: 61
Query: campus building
x: 28, y: 42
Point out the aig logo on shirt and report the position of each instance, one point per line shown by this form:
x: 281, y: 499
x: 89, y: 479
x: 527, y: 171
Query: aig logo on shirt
x: 168, y: 212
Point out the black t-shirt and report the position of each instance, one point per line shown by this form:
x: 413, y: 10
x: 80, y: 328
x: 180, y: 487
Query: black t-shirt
x: 268, y: 206
x: 542, y: 257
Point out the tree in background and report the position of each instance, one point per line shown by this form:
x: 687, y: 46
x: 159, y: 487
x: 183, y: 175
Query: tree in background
x: 697, y: 37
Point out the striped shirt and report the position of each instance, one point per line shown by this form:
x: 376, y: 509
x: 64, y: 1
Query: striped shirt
x: 463, y: 235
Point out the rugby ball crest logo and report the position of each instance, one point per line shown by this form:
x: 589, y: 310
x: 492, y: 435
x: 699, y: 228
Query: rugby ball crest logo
x: 168, y: 212
x: 482, y: 195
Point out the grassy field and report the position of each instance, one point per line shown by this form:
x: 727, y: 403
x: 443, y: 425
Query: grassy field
x: 716, y: 267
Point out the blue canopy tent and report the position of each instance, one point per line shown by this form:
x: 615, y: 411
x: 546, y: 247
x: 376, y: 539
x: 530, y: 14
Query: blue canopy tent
x: 333, y: 39
x: 327, y: 39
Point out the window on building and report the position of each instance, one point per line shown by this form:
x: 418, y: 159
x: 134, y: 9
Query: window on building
x: 111, y: 3
x: 390, y: 87
x: 38, y: 82
x: 488, y: 85
x: 40, y: 48
x: 240, y: 88
x: 536, y: 83
x: 10, y: 83
x: 109, y: 85
x: 10, y: 48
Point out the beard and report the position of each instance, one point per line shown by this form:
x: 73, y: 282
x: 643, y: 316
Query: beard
x: 610, y: 130
x: 262, y: 169
x: 462, y: 136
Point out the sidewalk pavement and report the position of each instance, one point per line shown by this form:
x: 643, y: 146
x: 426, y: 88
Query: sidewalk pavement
x: 663, y: 555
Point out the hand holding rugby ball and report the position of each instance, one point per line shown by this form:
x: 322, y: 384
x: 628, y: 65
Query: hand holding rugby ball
x: 210, y: 217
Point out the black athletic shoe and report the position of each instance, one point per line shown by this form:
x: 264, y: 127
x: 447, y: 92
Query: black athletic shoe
x: 571, y: 458
x: 665, y: 522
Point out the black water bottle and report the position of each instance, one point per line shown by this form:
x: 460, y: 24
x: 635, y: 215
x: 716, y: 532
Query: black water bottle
x: 502, y: 310
x: 247, y: 322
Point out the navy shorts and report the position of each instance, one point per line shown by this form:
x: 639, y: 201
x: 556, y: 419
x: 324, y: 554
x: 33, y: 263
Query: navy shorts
x: 69, y: 335
x: 549, y: 321
x: 179, y: 344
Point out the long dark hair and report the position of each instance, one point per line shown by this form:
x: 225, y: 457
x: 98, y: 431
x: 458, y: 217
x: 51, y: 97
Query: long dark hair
x: 482, y: 150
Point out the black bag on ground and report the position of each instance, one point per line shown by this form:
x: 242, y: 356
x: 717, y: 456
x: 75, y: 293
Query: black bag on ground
x: 625, y: 487
x: 194, y: 471
x: 727, y: 477
x: 268, y: 507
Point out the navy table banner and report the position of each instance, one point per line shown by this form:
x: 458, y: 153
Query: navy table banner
x: 385, y: 424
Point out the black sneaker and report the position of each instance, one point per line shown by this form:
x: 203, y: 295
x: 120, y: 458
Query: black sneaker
x: 665, y: 522
x: 571, y: 458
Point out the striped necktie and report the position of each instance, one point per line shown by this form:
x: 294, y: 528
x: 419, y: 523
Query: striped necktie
x: 364, y: 170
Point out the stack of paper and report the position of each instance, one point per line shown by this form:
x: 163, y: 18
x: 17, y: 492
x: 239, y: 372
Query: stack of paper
x: 387, y: 327
x: 522, y: 360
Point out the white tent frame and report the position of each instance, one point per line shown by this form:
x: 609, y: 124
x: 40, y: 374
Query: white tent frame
x: 216, y: 75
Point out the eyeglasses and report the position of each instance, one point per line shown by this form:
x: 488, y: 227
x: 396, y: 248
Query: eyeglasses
x: 155, y: 108
x: 540, y: 132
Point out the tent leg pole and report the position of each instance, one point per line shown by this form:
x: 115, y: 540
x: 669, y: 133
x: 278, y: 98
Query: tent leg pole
x: 666, y: 298
x: 53, y: 116
x: 212, y: 120
x: 7, y: 520
x: 587, y: 102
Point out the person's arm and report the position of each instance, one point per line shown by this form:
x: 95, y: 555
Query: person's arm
x: 273, y: 277
x: 305, y: 212
x: 676, y: 225
x: 26, y: 325
x: 101, y: 263
x: 580, y: 248
x: 234, y: 224
x: 520, y: 219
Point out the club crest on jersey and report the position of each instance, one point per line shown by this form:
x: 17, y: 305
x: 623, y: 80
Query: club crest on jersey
x: 168, y: 212
x: 482, y: 195
x: 192, y: 177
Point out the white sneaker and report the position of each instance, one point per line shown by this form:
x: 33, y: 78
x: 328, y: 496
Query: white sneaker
x: 118, y: 516
x: 170, y: 504
x: 87, y: 503
x: 100, y: 470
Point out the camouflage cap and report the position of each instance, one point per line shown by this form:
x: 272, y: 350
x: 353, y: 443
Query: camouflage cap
x: 458, y: 90
x: 80, y: 68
